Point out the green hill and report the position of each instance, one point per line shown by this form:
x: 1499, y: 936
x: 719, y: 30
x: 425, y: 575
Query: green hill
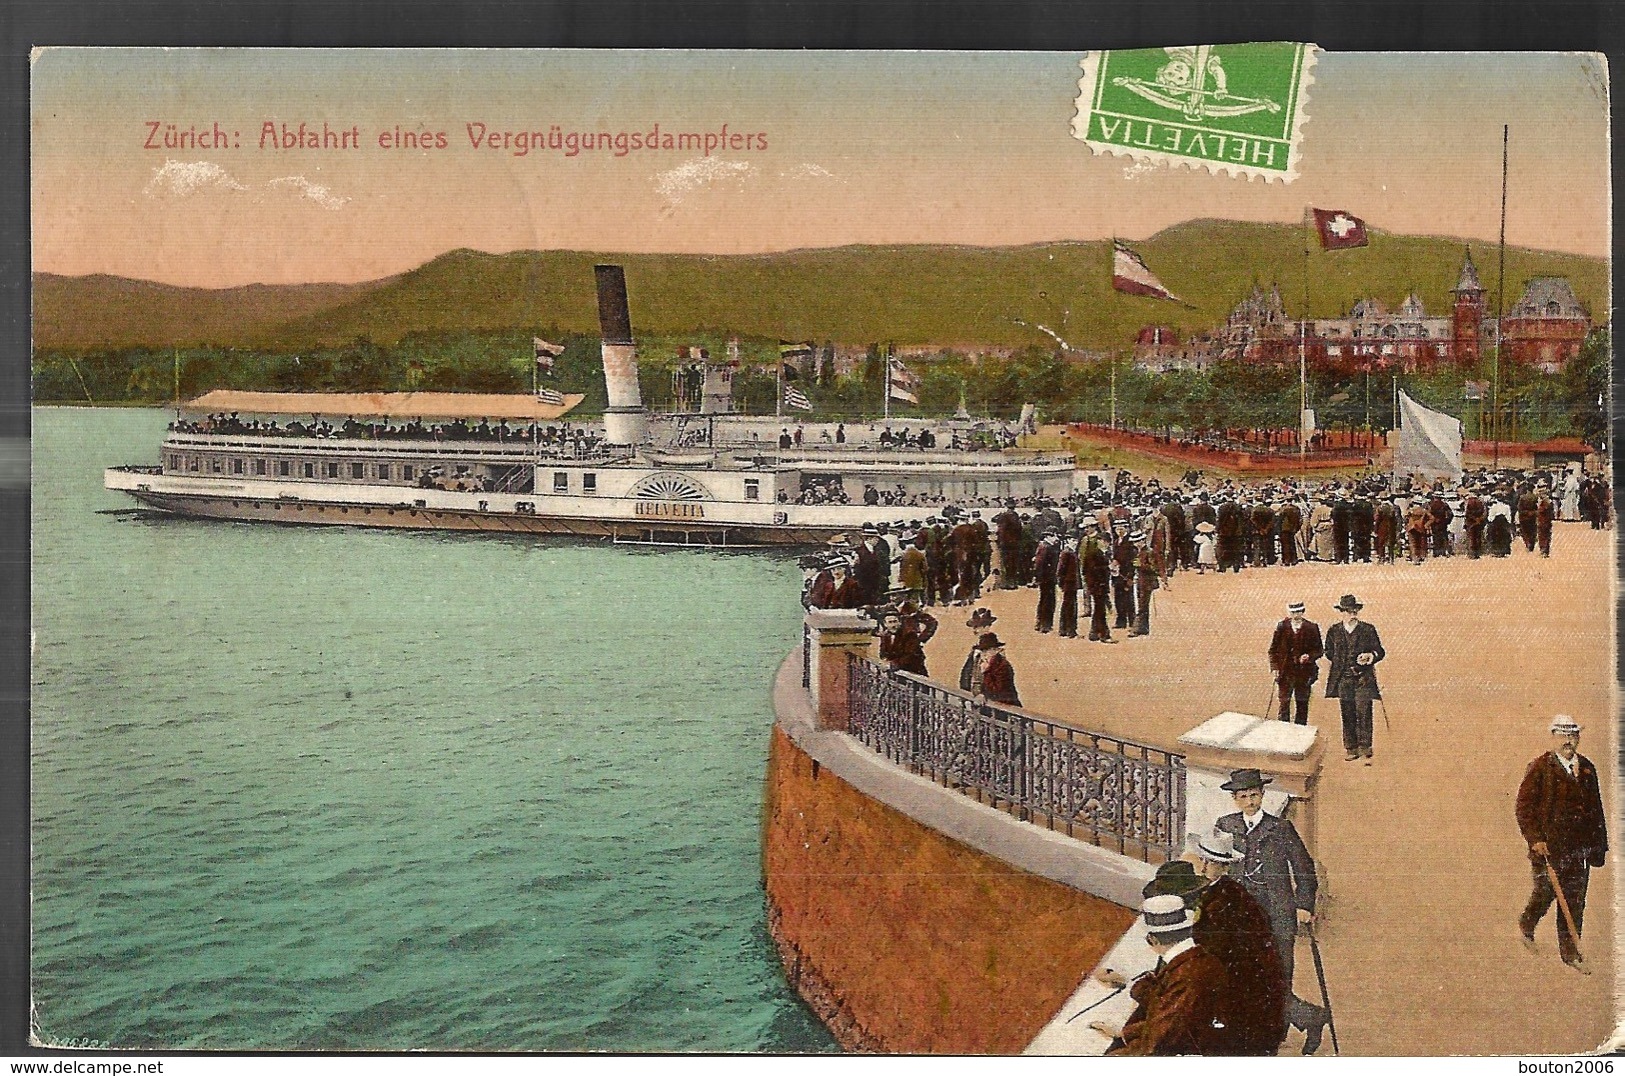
x: 908, y: 294
x: 102, y: 311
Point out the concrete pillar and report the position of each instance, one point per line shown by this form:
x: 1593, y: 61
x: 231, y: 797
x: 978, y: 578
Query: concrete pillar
x: 832, y: 634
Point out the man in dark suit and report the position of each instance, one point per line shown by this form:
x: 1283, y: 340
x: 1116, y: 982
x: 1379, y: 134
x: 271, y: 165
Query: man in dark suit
x: 1545, y: 513
x: 1527, y: 506
x: 1182, y: 1005
x: 1362, y: 522
x: 1201, y: 512
x: 1342, y: 527
x: 1264, y: 525
x: 872, y: 574
x: 1477, y: 514
x: 1561, y: 817
x: 1291, y: 524
x: 1232, y: 536
x: 1178, y: 532
x: 1353, y: 650
x: 1123, y: 553
x: 1045, y: 568
x: 1068, y: 577
x: 962, y: 542
x: 1295, y: 652
x: 1096, y: 563
x: 1277, y: 870
x: 1385, y: 529
x: 1439, y: 518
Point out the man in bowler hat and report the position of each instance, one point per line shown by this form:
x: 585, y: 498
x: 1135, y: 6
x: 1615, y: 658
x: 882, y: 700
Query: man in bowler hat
x: 1353, y: 650
x: 1561, y: 817
x: 1277, y: 870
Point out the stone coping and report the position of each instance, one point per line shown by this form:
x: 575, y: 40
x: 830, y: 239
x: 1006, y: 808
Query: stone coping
x: 1022, y: 845
x: 1243, y: 732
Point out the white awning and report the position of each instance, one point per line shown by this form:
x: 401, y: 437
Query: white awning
x: 387, y: 405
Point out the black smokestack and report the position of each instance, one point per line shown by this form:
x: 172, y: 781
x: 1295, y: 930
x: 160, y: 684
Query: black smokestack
x: 614, y: 319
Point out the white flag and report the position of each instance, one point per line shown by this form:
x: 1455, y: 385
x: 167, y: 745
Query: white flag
x: 1429, y: 442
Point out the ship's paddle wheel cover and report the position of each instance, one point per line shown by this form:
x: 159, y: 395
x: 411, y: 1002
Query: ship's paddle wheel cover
x: 671, y: 487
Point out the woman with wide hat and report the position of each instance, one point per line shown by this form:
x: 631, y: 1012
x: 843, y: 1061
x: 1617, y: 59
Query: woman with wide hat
x: 998, y: 677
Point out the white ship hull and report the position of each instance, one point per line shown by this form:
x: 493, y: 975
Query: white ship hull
x: 616, y: 519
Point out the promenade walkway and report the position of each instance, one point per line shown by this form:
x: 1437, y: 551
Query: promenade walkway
x: 1424, y: 869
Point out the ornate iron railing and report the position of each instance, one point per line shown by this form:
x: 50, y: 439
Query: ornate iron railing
x: 1117, y: 794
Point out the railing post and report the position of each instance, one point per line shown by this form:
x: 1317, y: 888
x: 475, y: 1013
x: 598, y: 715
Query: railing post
x: 834, y: 633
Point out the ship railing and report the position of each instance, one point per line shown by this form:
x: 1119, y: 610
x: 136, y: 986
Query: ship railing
x: 137, y: 468
x: 1117, y: 794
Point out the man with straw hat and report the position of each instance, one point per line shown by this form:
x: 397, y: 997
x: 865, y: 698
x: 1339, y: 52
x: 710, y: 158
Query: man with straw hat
x: 1181, y: 1006
x: 1561, y: 817
x: 1233, y: 926
x: 1295, y: 652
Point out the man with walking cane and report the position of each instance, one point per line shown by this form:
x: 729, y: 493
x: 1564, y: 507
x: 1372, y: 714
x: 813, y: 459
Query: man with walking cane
x: 1277, y: 870
x: 1295, y: 652
x: 1561, y: 817
x: 1353, y: 650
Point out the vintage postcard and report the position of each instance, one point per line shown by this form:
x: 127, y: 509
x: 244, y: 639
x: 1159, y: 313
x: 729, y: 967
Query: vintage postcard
x: 1099, y: 553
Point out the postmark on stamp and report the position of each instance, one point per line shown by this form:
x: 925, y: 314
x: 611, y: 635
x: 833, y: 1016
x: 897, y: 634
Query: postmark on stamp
x: 1237, y: 109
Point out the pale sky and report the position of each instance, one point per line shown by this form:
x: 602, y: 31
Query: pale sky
x: 868, y: 147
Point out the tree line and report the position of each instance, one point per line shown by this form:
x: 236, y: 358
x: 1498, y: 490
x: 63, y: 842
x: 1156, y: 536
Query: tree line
x: 1231, y: 395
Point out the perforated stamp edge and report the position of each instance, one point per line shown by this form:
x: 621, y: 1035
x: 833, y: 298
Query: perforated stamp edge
x: 1087, y: 83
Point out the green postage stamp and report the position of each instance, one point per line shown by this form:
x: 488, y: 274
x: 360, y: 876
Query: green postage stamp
x: 1231, y: 108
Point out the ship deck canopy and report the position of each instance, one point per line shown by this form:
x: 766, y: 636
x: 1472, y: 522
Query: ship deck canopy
x: 388, y: 405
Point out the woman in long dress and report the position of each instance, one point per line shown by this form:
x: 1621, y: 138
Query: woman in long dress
x: 1570, y: 507
x: 1320, y: 532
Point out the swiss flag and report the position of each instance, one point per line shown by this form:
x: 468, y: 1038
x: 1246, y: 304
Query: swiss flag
x: 1339, y: 230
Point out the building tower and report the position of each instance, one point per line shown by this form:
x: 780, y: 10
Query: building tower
x: 1467, y: 320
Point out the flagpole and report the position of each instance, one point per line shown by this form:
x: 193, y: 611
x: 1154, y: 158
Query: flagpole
x: 1303, y: 347
x: 885, y: 402
x: 1500, y: 291
x: 778, y: 386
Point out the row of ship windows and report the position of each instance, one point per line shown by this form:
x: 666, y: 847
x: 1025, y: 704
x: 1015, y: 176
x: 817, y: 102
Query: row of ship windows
x: 284, y: 468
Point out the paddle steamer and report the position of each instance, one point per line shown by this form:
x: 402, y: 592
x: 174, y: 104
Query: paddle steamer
x: 635, y: 477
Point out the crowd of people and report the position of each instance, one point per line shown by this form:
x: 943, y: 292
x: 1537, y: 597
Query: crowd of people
x: 1102, y: 557
x: 562, y: 437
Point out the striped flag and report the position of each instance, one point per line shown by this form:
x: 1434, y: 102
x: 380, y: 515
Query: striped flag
x: 796, y: 400
x: 548, y: 396
x: 1131, y: 274
x: 903, y: 381
x: 546, y: 353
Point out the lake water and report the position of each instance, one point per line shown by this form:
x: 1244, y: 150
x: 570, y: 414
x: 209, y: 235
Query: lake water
x: 325, y: 787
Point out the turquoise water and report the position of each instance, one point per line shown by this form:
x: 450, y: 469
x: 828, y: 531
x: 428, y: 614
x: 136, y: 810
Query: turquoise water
x: 323, y: 787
